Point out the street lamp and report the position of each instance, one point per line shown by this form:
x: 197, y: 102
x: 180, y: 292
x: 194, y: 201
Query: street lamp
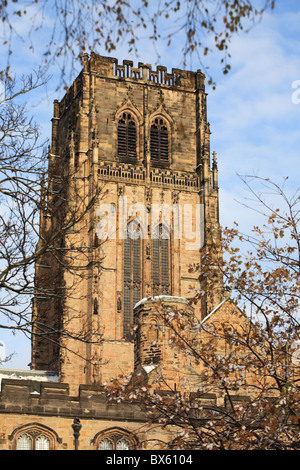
x: 76, y: 431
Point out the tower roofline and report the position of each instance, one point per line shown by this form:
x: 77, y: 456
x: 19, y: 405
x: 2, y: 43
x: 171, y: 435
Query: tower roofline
x: 109, y: 67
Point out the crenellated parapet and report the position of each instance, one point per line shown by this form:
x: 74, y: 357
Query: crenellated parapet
x: 109, y: 67
x: 54, y: 399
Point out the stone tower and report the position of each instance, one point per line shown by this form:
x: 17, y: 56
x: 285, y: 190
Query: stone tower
x: 130, y: 160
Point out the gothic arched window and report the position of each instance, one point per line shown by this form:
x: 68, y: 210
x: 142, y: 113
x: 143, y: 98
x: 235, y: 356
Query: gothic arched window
x: 161, y: 261
x: 33, y: 437
x: 127, y: 138
x: 24, y: 442
x: 113, y: 444
x: 132, y: 276
x: 159, y: 142
x: 114, y: 439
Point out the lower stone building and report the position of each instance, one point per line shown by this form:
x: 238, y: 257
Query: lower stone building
x: 37, y: 412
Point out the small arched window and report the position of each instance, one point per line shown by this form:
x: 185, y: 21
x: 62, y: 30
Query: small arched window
x: 42, y: 443
x: 114, y: 439
x: 24, y: 442
x: 31, y: 442
x: 132, y: 276
x: 105, y: 444
x: 127, y: 138
x: 33, y: 437
x: 114, y: 443
x: 159, y: 142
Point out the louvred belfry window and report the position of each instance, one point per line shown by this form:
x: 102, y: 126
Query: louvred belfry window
x: 159, y: 142
x: 127, y: 138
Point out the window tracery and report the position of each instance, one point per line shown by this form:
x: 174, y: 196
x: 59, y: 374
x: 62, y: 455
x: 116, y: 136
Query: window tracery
x: 33, y: 437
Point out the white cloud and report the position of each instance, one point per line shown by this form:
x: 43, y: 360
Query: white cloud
x: 255, y: 125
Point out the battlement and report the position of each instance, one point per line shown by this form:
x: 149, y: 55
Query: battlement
x: 53, y: 399
x: 109, y: 67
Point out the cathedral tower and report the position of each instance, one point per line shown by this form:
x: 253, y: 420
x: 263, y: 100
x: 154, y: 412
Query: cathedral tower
x: 130, y: 157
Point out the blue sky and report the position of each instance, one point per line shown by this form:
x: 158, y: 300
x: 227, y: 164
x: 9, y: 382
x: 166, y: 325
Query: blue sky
x: 254, y: 122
